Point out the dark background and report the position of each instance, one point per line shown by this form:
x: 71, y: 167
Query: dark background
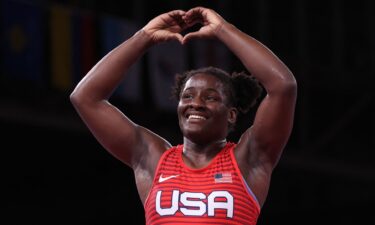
x: 55, y: 172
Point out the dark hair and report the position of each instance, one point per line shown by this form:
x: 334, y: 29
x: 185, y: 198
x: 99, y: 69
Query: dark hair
x: 242, y: 89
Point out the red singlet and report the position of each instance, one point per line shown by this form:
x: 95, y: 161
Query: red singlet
x: 216, y: 194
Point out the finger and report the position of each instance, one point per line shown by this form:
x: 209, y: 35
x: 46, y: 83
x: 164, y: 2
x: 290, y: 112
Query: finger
x: 182, y: 25
x: 179, y: 37
x: 195, y: 11
x: 172, y: 17
x: 194, y: 20
x: 176, y: 36
x: 177, y: 12
x: 190, y: 36
x: 178, y: 20
x: 193, y: 14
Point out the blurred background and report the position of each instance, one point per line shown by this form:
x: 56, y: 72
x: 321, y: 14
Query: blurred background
x: 55, y: 172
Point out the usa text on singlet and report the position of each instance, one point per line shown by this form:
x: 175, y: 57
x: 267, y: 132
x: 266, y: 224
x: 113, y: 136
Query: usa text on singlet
x: 216, y: 194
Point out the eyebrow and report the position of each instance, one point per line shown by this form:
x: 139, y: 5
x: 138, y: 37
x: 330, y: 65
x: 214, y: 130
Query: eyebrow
x: 208, y: 89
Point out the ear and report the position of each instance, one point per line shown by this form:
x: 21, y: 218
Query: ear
x: 232, y: 116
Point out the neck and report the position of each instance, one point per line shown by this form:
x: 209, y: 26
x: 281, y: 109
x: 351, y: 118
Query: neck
x: 197, y: 155
x: 203, y: 148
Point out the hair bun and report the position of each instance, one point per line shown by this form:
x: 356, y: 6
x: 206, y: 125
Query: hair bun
x: 247, y: 90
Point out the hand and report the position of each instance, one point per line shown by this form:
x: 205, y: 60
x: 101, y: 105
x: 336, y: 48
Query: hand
x: 167, y: 26
x: 210, y: 20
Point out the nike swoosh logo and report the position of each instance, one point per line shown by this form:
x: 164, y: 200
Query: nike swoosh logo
x: 162, y: 179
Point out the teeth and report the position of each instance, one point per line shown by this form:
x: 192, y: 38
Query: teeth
x: 196, y: 117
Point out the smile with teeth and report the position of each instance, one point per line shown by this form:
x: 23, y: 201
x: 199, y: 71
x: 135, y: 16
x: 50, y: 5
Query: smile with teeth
x: 196, y: 117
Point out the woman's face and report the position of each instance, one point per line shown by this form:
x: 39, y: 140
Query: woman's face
x: 202, y: 110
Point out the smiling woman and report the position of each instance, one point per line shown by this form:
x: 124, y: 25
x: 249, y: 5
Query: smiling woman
x: 238, y: 91
x: 202, y: 110
x: 206, y: 179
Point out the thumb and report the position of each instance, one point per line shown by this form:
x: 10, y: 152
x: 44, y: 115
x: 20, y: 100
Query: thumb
x: 190, y: 36
x: 179, y: 37
x: 171, y: 37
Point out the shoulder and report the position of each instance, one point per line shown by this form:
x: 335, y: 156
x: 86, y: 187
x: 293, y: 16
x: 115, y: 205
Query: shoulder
x: 172, y: 154
x: 151, y: 143
x: 249, y: 154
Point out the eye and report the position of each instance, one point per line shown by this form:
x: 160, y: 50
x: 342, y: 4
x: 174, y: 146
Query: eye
x: 186, y: 96
x: 212, y: 98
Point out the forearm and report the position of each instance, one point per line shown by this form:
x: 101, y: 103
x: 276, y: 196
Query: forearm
x: 105, y: 76
x: 257, y: 58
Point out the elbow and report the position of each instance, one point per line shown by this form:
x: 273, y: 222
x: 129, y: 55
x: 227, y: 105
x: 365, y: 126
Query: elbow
x: 290, y: 86
x: 289, y: 91
x: 76, y: 98
x: 287, y: 83
x: 81, y: 99
x: 285, y: 87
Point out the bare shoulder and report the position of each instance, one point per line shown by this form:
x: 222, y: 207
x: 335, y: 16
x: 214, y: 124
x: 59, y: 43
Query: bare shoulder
x: 254, y: 171
x: 154, y: 146
x: 145, y: 168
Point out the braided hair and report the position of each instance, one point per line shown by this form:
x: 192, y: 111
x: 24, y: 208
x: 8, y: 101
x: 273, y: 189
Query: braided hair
x: 242, y: 90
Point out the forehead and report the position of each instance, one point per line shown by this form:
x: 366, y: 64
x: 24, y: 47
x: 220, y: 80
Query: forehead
x: 204, y: 81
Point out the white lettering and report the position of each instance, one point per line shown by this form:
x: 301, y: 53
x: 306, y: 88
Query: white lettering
x: 228, y: 205
x: 187, y: 200
x: 174, y: 205
x: 192, y: 203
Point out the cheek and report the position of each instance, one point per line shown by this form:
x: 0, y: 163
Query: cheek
x: 223, y: 115
x: 180, y: 110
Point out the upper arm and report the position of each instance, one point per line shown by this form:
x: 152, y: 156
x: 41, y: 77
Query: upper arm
x: 273, y: 125
x: 124, y: 139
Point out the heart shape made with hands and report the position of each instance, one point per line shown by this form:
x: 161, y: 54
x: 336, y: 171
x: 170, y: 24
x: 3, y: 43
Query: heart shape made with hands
x: 183, y: 26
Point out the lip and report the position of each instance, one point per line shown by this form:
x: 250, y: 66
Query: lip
x: 195, y: 116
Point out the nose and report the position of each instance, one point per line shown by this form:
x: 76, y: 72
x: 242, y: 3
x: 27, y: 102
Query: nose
x: 197, y: 102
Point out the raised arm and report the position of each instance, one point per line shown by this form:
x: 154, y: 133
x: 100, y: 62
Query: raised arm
x: 260, y: 147
x: 118, y: 134
x: 273, y: 121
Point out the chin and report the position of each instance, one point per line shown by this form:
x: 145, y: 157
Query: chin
x: 201, y: 136
x: 193, y: 132
x: 196, y: 138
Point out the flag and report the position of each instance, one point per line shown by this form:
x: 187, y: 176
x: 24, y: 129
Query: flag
x: 225, y: 177
x: 113, y: 31
x: 73, y: 45
x: 61, y: 47
x: 166, y: 60
x: 22, y: 41
x: 83, y: 43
